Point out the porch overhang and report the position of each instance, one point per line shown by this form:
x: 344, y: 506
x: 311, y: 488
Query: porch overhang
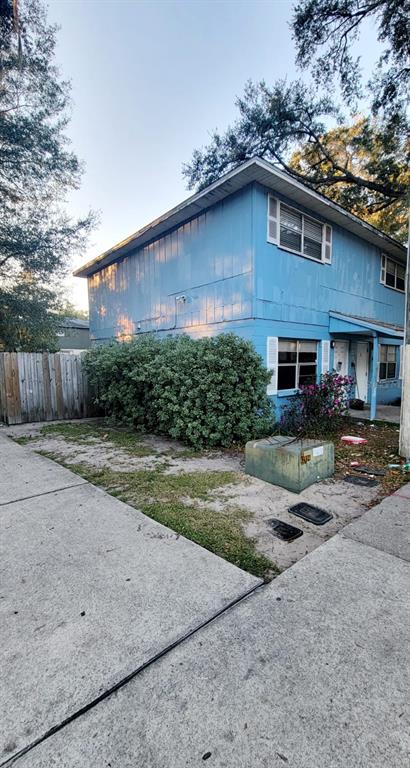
x: 341, y: 324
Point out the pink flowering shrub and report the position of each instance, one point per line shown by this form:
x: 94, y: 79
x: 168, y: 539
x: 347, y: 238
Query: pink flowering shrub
x: 318, y: 409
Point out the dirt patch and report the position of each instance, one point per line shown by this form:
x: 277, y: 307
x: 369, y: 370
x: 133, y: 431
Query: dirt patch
x: 127, y: 464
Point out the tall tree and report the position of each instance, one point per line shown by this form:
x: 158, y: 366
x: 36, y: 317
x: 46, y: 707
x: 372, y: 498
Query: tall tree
x: 365, y: 151
x: 37, y: 171
x: 275, y: 123
x: 325, y: 32
x: 361, y: 163
x: 68, y: 309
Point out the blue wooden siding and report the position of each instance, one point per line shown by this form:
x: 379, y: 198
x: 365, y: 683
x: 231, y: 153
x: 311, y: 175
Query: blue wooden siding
x: 218, y: 273
x: 291, y: 288
x: 194, y: 277
x: 293, y: 295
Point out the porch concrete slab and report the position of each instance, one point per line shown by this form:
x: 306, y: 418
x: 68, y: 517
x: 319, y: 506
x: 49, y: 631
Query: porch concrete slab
x: 24, y: 473
x: 310, y: 672
x: 385, y: 527
x: 92, y: 589
x: 390, y: 413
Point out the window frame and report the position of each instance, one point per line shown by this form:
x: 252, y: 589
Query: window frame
x: 388, y: 362
x: 296, y: 364
x: 326, y: 230
x: 384, y: 258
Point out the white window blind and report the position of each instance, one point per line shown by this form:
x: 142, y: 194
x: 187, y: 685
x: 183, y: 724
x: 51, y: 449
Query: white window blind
x: 272, y: 364
x: 297, y: 232
x: 312, y: 238
x: 290, y: 228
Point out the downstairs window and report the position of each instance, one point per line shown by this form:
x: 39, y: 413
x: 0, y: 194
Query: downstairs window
x: 387, y: 362
x: 297, y: 363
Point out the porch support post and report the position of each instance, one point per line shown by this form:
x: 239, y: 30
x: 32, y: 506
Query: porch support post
x: 374, y: 375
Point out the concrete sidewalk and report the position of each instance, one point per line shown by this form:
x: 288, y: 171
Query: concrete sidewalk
x: 91, y: 591
x: 310, y: 671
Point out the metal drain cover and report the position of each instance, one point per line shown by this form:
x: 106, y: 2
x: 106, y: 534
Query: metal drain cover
x: 310, y: 513
x: 357, y: 480
x: 370, y: 471
x: 284, y: 531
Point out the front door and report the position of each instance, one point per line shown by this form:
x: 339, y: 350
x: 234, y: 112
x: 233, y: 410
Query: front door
x: 362, y: 370
x: 341, y: 357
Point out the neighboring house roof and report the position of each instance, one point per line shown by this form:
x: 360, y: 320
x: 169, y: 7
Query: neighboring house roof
x: 73, y: 322
x: 254, y: 170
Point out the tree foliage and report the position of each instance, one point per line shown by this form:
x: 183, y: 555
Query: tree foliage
x: 68, y: 309
x: 206, y: 392
x: 37, y: 169
x: 361, y: 162
x: 366, y: 151
x: 27, y: 321
x: 325, y: 32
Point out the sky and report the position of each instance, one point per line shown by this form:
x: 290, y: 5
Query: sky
x: 150, y: 81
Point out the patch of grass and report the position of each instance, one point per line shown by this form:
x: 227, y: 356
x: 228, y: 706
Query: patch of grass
x: 166, y: 498
x: 24, y: 439
x: 185, y: 453
x: 126, y: 439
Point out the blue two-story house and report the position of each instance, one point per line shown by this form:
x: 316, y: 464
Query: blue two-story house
x: 260, y: 254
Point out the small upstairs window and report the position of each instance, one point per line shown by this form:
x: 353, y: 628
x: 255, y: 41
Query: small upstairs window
x: 392, y: 274
x: 290, y: 229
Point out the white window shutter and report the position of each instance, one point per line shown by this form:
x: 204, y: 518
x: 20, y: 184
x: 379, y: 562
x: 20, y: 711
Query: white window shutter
x: 325, y: 356
x: 401, y: 361
x: 383, y: 268
x: 327, y: 244
x: 273, y: 220
x: 272, y: 364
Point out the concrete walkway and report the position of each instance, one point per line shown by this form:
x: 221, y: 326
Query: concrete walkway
x: 310, y: 671
x: 390, y: 413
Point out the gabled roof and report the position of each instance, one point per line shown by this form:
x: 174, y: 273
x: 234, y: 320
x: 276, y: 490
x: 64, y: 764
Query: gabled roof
x: 254, y: 170
x: 73, y: 322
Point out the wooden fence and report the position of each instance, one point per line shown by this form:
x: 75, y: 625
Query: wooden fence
x: 42, y: 387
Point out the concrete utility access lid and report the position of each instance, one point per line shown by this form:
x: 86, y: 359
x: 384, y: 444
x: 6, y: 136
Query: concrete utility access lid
x: 310, y: 513
x: 284, y: 531
x: 363, y: 481
x: 370, y: 471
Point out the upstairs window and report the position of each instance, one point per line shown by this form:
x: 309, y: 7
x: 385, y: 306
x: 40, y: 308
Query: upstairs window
x: 387, y: 362
x: 297, y: 363
x: 392, y: 274
x: 298, y: 233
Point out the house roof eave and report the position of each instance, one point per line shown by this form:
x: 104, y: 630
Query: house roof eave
x: 254, y: 170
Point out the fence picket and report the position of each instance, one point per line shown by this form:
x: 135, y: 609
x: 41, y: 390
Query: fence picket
x: 42, y: 387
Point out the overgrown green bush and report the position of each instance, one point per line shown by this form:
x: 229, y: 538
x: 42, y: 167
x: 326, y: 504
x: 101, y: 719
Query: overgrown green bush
x: 206, y: 392
x: 318, y: 409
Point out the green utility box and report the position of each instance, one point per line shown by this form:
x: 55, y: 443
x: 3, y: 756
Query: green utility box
x: 292, y: 464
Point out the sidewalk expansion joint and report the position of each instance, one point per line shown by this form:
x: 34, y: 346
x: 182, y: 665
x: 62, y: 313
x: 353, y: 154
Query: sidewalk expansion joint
x: 45, y: 493
x: 125, y: 680
x: 346, y: 537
